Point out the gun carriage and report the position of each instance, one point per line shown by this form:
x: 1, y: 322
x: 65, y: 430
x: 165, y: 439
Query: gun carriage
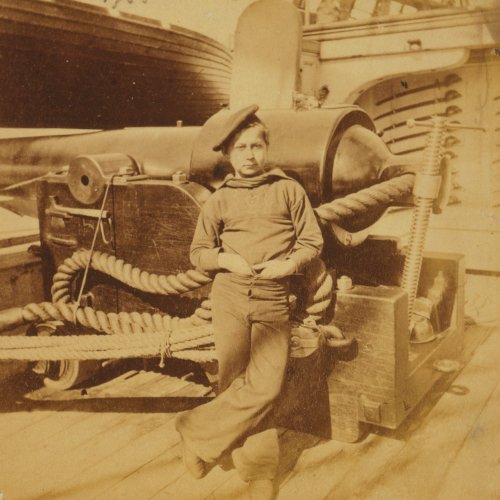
x: 116, y: 222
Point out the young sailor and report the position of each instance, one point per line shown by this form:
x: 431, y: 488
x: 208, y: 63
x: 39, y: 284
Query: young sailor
x: 257, y: 229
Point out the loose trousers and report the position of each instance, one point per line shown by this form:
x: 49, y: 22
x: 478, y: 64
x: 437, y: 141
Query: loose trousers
x: 252, y: 333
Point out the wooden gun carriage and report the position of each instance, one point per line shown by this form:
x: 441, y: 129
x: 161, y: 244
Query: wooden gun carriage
x: 118, y: 217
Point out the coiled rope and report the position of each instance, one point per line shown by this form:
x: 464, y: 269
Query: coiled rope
x: 186, y: 338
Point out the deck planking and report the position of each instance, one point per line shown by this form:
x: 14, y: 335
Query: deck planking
x: 47, y: 468
x: 326, y: 465
x: 293, y: 444
x: 148, y: 478
x: 478, y: 458
x: 149, y: 438
x: 16, y: 422
x: 62, y: 432
x: 429, y: 451
x: 119, y: 441
x: 64, y: 449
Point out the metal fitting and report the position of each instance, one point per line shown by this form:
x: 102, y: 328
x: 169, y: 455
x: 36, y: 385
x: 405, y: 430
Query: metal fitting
x: 344, y: 283
x: 179, y: 177
x: 427, y: 186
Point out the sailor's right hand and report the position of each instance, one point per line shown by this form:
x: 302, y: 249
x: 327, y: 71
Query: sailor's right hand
x: 234, y: 264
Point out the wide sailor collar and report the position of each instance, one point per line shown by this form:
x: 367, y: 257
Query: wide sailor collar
x: 249, y: 182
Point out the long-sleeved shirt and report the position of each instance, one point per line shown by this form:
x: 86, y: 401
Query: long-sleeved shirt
x: 270, y: 218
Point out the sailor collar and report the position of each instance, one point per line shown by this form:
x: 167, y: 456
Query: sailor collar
x: 232, y: 181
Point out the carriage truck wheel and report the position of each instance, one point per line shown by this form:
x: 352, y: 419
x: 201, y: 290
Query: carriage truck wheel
x: 62, y: 374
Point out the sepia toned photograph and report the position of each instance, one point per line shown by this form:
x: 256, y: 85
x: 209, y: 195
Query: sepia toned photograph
x: 250, y: 249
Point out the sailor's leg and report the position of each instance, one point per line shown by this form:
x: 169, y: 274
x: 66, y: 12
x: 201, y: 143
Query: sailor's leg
x: 232, y: 344
x: 216, y: 427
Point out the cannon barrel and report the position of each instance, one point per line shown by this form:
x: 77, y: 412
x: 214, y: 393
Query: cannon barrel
x: 160, y: 150
x: 331, y: 152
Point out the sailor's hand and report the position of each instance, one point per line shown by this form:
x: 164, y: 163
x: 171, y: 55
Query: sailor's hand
x: 234, y: 264
x: 274, y: 269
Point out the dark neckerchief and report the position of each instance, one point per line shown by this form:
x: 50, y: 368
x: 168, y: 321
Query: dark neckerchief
x: 251, y: 182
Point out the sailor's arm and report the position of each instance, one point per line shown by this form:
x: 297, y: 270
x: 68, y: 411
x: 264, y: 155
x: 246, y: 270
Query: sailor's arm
x: 309, y: 240
x: 205, y: 247
x: 206, y: 252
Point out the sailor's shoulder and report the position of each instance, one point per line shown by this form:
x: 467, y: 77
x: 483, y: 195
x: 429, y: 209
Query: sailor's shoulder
x: 289, y: 185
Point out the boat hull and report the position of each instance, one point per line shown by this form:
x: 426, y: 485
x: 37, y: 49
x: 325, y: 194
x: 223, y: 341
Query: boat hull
x: 68, y: 64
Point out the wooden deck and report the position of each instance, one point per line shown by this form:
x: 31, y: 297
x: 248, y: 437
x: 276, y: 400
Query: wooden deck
x: 117, y: 440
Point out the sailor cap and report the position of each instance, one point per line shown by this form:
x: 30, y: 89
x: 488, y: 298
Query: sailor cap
x: 233, y: 122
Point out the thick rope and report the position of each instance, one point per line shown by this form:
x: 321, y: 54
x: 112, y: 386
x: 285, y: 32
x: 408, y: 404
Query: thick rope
x: 123, y: 323
x: 176, y: 337
x: 126, y: 273
x: 318, y: 288
x: 83, y: 347
x: 363, y: 201
x: 317, y: 291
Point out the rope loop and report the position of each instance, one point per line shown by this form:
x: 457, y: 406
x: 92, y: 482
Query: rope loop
x: 125, y: 273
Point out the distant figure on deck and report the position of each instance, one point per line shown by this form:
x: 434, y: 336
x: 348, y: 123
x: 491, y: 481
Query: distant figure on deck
x: 255, y: 231
x: 331, y: 11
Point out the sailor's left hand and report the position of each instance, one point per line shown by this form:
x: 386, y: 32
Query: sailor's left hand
x: 274, y: 269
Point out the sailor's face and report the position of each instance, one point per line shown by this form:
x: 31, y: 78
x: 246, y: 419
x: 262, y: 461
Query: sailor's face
x: 248, y: 152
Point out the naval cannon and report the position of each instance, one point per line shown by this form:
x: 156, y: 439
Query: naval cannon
x: 117, y: 215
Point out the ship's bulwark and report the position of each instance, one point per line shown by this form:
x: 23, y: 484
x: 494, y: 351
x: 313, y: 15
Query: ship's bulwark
x: 74, y: 65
